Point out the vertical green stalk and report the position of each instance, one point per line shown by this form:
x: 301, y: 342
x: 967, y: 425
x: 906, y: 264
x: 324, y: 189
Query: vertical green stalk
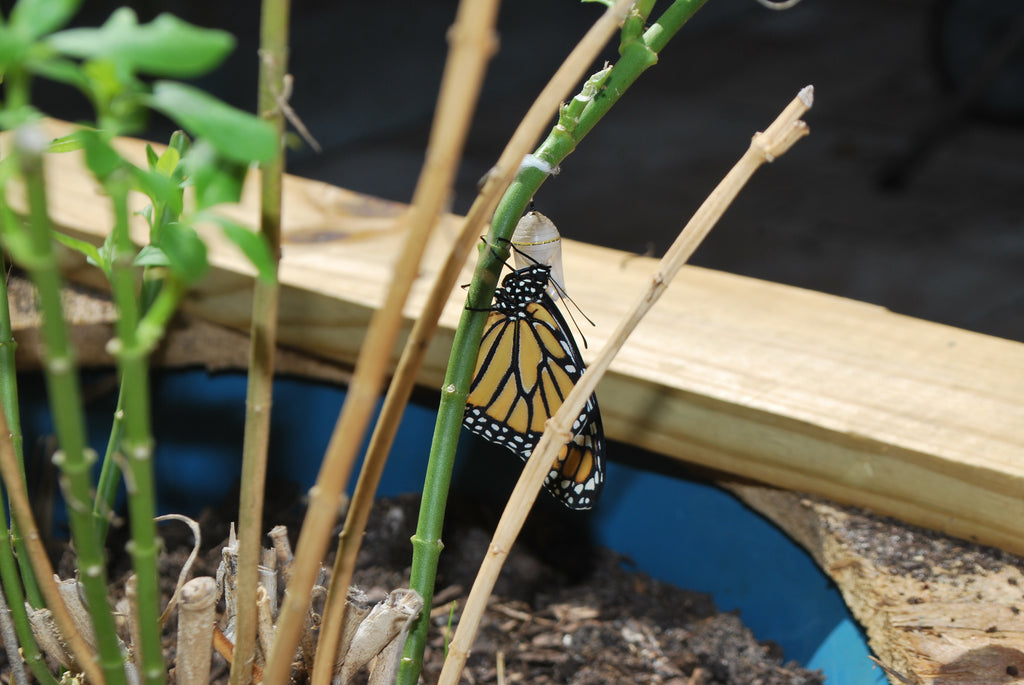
x: 152, y: 289
x: 132, y: 353
x: 16, y: 601
x: 262, y: 341
x: 110, y: 471
x: 638, y: 51
x: 74, y: 458
x: 8, y: 370
x: 9, y: 400
x: 12, y: 583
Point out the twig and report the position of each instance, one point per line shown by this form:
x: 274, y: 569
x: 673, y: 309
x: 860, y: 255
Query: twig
x: 765, y: 147
x: 473, y: 41
x: 262, y: 341
x: 186, y: 568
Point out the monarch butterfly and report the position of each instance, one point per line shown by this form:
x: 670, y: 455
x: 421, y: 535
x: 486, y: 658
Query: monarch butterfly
x: 528, y: 363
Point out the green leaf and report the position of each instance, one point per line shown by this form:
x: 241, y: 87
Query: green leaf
x: 216, y: 180
x: 14, y: 237
x: 168, y: 162
x: 69, y: 143
x: 180, y: 142
x: 166, y: 46
x: 13, y: 47
x: 92, y: 254
x: 186, y: 252
x: 35, y: 18
x: 59, y: 70
x: 160, y: 189
x: 238, y: 135
x: 151, y: 255
x: 254, y: 246
x: 151, y: 157
x: 106, y: 254
x: 100, y: 156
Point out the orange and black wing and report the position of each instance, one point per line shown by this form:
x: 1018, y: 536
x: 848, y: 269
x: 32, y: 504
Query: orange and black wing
x: 578, y: 474
x: 528, y: 364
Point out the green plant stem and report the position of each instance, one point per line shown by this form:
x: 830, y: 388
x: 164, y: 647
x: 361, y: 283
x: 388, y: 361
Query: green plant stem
x: 131, y: 348
x: 151, y: 329
x: 12, y: 583
x: 21, y: 510
x: 8, y: 369
x: 9, y: 399
x: 262, y: 342
x: 74, y: 459
x: 9, y: 637
x: 16, y: 601
x: 110, y: 471
x: 636, y: 56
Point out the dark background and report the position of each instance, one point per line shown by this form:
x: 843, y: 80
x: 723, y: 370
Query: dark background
x: 850, y: 210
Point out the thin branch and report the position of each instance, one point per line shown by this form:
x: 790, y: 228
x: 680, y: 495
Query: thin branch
x: 262, y: 342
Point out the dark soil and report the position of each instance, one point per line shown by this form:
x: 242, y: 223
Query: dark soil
x: 580, y: 616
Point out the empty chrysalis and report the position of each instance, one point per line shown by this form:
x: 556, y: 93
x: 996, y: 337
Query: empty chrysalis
x: 537, y: 239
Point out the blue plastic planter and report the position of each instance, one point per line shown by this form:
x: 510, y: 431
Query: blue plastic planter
x: 728, y: 551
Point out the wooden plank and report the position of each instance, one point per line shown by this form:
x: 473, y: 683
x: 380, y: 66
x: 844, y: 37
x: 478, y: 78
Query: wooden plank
x: 190, y: 342
x: 791, y: 387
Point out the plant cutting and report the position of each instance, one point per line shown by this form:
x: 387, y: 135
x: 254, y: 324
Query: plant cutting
x: 106, y: 64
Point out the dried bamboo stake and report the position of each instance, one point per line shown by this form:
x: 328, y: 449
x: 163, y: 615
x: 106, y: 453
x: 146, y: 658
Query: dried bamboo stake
x: 473, y: 41
x: 22, y: 511
x: 500, y: 175
x: 765, y: 147
x: 197, y: 616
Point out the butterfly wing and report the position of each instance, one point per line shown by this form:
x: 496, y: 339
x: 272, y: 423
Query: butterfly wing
x: 577, y: 477
x: 528, y: 364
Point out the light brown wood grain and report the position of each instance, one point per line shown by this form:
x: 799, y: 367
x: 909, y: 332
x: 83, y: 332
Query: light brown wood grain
x: 791, y: 387
x: 955, y: 620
